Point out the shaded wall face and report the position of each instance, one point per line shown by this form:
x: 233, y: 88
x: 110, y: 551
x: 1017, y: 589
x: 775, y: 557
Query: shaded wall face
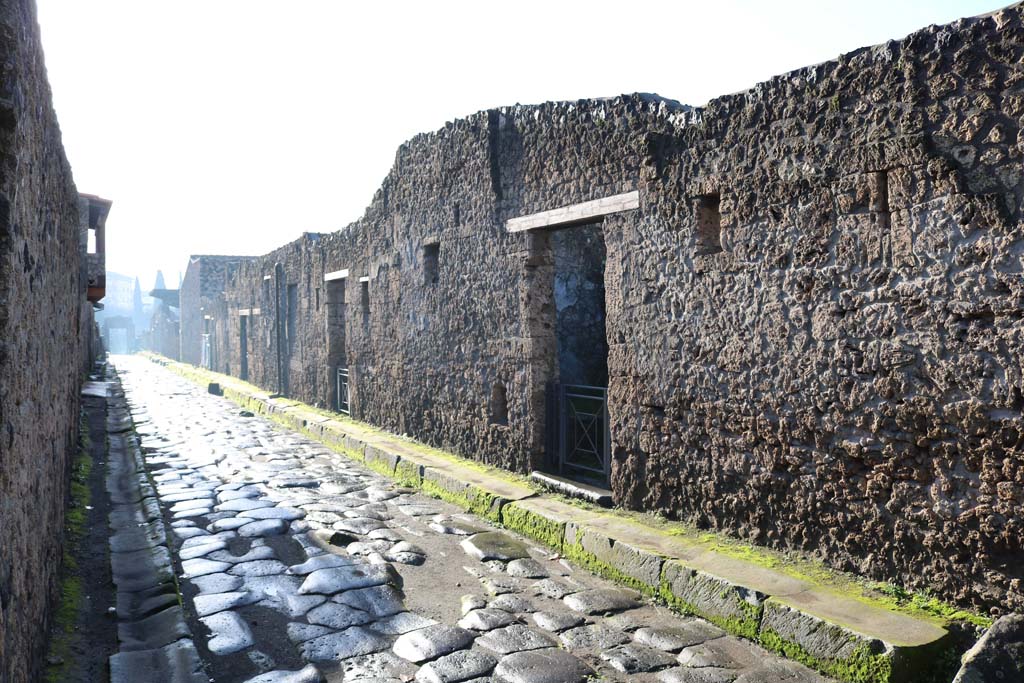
x: 46, y: 327
x: 814, y: 319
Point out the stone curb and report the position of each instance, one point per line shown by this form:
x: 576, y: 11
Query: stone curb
x: 840, y: 636
x: 155, y: 643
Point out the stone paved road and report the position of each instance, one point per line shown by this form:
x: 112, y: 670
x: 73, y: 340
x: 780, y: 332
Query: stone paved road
x: 299, y: 565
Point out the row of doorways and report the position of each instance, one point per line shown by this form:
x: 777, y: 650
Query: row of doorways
x: 577, y: 432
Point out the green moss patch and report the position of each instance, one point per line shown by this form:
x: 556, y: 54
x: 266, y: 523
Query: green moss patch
x: 70, y: 600
x: 730, y: 611
x: 862, y: 666
x: 583, y: 557
x: 537, y: 527
x: 471, y: 499
x: 407, y: 473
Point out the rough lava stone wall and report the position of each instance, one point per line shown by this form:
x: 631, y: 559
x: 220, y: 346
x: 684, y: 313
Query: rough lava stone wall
x: 45, y: 331
x: 814, y: 320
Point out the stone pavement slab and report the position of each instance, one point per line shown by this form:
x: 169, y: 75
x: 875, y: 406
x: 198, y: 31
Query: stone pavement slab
x: 368, y: 582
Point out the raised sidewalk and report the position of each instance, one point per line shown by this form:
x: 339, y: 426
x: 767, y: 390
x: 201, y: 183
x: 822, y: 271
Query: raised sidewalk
x: 820, y: 618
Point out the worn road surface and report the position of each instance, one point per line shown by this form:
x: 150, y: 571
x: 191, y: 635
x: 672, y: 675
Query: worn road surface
x: 300, y: 565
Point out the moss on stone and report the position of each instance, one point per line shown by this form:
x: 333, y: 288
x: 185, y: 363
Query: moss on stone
x: 407, y: 473
x: 473, y: 500
x: 537, y: 527
x: 70, y: 600
x: 586, y: 559
x: 745, y: 626
x: 862, y: 666
x: 380, y: 467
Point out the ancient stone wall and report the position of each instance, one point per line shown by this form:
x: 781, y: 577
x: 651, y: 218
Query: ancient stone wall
x: 813, y: 321
x: 46, y: 328
x: 205, y: 279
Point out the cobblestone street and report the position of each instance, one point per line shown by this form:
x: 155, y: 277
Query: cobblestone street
x: 298, y: 564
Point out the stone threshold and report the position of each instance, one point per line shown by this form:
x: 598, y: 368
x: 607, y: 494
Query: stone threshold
x: 847, y: 637
x: 573, y: 489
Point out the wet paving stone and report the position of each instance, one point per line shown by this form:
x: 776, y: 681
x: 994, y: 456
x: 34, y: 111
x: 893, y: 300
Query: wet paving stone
x: 432, y: 642
x: 218, y: 602
x: 351, y: 642
x: 296, y: 554
x: 542, y: 666
x: 602, y: 600
x: 510, y: 602
x: 514, y: 638
x: 258, y: 568
x: 325, y: 561
x: 336, y: 579
x: 593, y: 637
x: 494, y: 545
x: 634, y: 658
x: 462, y: 665
x: 675, y: 639
x: 201, y: 567
x: 336, y: 616
x: 557, y: 621
x: 527, y: 568
x: 486, y: 619
x: 401, y: 623
x: 308, y: 674
x: 263, y: 527
x: 555, y: 589
x: 378, y: 601
x: 706, y: 675
x: 726, y: 652
x: 229, y: 633
x: 286, y: 514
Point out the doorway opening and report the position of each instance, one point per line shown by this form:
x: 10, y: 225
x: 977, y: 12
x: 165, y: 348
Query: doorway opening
x: 337, y: 365
x: 578, y: 436
x: 243, y: 347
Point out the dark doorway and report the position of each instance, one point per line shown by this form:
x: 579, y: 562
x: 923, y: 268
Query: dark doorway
x: 578, y: 420
x: 336, y: 363
x: 243, y: 347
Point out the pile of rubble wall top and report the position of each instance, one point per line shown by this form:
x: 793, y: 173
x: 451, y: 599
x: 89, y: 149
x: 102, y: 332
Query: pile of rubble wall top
x: 46, y: 328
x: 814, y: 317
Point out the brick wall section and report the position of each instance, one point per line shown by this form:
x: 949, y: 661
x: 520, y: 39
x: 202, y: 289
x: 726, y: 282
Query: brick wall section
x: 46, y: 330
x: 814, y: 319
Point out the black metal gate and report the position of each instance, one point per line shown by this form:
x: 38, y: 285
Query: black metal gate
x: 342, y: 391
x: 580, y: 427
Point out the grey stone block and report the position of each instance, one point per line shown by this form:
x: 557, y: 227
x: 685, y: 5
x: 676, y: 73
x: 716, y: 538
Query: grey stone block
x: 380, y: 460
x: 177, y: 662
x: 735, y: 608
x: 641, y: 566
x: 998, y: 656
x: 154, y: 631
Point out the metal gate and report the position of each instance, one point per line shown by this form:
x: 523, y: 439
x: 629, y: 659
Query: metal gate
x: 583, y: 440
x: 342, y: 391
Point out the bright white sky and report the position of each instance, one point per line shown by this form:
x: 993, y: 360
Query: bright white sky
x: 231, y: 126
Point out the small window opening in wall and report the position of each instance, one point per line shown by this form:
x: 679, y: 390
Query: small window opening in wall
x: 91, y: 247
x: 431, y: 268
x: 266, y: 289
x: 457, y: 215
x: 317, y: 297
x: 365, y: 300
x: 709, y: 223
x: 499, y: 404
